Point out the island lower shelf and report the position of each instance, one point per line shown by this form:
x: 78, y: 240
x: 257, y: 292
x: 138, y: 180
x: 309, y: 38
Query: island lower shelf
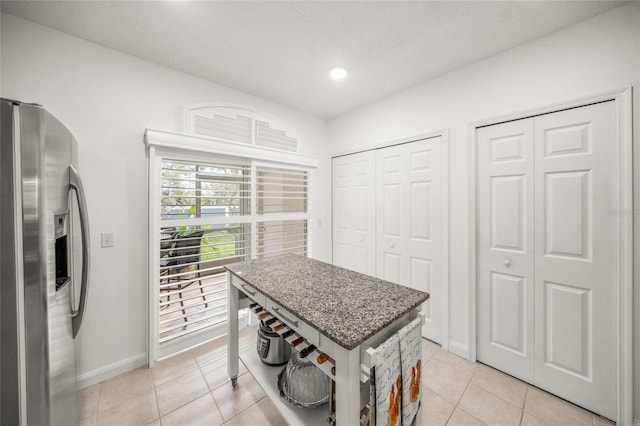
x: 267, y: 378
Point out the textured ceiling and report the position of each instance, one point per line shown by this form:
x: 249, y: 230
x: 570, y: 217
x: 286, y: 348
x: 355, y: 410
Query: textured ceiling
x: 282, y: 51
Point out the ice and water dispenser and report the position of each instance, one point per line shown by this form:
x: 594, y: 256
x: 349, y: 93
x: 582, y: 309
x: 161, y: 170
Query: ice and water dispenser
x: 62, y: 252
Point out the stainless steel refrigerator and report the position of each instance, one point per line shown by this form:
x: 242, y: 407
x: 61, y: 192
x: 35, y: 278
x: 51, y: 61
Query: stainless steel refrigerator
x: 44, y: 266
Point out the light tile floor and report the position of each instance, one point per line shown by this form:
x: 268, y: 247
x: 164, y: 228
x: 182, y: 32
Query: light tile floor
x: 192, y: 388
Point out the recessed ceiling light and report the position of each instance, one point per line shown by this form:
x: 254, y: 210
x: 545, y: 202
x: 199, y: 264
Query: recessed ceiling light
x: 338, y: 73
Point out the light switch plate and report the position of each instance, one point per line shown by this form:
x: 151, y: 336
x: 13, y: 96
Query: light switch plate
x: 107, y: 239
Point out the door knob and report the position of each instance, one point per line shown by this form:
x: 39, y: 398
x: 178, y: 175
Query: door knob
x: 506, y: 263
x: 361, y: 240
x: 392, y: 245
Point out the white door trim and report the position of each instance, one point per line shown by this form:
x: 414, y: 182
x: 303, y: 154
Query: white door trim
x: 445, y: 238
x: 624, y: 209
x: 444, y: 134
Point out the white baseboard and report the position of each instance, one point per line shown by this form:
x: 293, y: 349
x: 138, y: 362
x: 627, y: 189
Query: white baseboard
x: 459, y: 349
x: 112, y: 370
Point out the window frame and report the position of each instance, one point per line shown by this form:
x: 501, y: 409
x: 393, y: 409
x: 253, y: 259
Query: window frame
x: 166, y: 145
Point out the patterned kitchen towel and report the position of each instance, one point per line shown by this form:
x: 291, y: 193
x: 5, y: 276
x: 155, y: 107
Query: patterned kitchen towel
x: 372, y: 394
x: 388, y: 383
x: 411, y: 361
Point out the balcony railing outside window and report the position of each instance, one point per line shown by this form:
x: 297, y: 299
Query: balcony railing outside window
x: 208, y: 220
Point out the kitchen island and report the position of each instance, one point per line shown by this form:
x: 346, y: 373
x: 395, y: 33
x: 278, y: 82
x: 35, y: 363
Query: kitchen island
x: 341, y: 312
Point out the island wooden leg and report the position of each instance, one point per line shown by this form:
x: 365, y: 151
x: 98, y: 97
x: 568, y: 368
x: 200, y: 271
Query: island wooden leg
x: 233, y: 353
x: 347, y: 386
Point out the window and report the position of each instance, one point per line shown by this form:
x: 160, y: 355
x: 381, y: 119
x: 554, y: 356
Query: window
x: 278, y: 237
x: 281, y: 192
x: 205, y: 222
x: 212, y: 213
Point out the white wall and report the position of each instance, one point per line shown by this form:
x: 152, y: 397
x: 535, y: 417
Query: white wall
x: 594, y: 56
x: 107, y: 99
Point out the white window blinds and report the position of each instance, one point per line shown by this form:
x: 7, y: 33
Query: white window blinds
x: 282, y: 193
x: 281, y: 190
x: 282, y: 236
x: 205, y: 223
x: 207, y: 220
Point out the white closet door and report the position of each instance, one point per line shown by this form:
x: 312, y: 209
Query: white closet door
x: 409, y: 222
x: 424, y: 229
x: 341, y: 194
x: 391, y: 214
x: 547, y: 253
x: 505, y: 247
x: 576, y: 256
x: 354, y: 212
x: 363, y: 213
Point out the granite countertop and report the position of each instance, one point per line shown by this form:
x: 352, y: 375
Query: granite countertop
x: 346, y: 306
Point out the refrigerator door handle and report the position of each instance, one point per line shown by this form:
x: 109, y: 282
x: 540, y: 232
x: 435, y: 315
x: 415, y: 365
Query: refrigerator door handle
x: 76, y: 185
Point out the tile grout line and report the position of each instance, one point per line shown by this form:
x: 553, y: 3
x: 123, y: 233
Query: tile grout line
x: 433, y: 355
x: 521, y: 414
x: 524, y: 403
x: 188, y: 402
x: 246, y: 409
x: 215, y: 403
x: 224, y: 422
x: 155, y: 395
x: 455, y: 405
x: 490, y: 391
x: 98, y: 404
x: 468, y: 384
x: 462, y: 395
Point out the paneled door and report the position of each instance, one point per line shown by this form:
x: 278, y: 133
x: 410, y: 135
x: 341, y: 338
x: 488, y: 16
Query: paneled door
x: 505, y: 248
x: 391, y: 173
x: 354, y: 230
x: 547, y: 253
x: 575, y: 256
x: 409, y: 222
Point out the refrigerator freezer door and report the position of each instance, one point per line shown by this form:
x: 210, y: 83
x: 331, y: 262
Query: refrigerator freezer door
x: 10, y: 409
x: 34, y: 241
x: 61, y: 346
